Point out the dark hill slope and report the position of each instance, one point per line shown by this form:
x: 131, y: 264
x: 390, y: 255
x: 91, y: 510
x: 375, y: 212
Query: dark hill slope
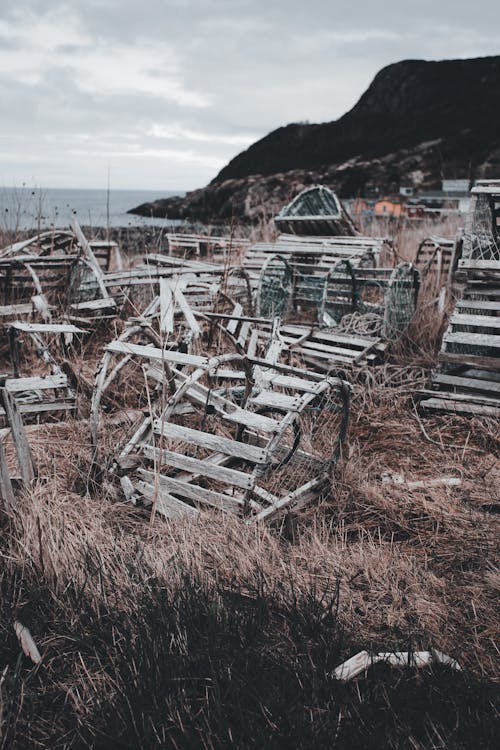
x: 417, y: 122
x: 407, y: 103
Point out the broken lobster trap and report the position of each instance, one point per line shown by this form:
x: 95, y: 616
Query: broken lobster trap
x: 48, y: 395
x: 57, y: 273
x: 240, y: 435
x: 31, y: 347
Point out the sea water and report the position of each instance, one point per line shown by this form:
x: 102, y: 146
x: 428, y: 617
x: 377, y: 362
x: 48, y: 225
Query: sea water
x: 30, y: 208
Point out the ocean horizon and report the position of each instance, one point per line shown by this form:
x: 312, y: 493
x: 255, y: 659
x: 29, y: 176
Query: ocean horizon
x: 27, y: 208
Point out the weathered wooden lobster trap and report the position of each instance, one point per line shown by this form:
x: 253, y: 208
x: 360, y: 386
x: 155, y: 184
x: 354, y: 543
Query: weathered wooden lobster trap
x: 56, y: 273
x: 258, y: 441
x: 436, y: 260
x: 481, y: 243
x: 290, y: 291
x: 315, y: 211
x: 320, y: 254
x: 219, y: 248
x: 468, y: 379
x: 36, y: 381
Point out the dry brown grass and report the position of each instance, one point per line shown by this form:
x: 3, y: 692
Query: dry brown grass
x: 387, y: 567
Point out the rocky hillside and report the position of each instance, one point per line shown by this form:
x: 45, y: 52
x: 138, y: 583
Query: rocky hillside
x: 417, y: 122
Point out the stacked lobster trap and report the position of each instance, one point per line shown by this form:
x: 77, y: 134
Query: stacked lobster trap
x: 467, y: 380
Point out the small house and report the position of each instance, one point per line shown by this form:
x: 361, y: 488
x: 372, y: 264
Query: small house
x: 387, y: 207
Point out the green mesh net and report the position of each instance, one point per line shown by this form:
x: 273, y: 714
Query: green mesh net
x: 400, y: 300
x: 275, y: 287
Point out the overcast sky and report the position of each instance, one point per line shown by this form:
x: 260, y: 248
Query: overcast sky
x: 165, y: 92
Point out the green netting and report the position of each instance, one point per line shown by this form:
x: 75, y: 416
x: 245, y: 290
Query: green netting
x: 389, y: 305
x: 400, y: 300
x: 340, y: 293
x: 275, y: 287
x: 83, y: 284
x: 481, y: 237
x: 314, y: 201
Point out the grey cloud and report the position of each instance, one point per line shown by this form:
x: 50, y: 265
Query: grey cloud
x: 209, y: 72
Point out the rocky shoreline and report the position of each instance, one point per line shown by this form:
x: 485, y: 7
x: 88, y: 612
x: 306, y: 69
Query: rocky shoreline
x: 417, y: 123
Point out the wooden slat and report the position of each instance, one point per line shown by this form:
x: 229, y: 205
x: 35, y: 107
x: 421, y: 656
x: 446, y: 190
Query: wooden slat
x: 289, y: 381
x: 204, y: 468
x: 169, y: 507
x: 211, y: 442
x: 6, y: 490
x: 479, y: 304
x: 46, y: 406
x: 303, y: 494
x: 166, y: 307
x: 474, y: 384
x: 198, y: 494
x: 277, y: 400
x: 473, y: 339
x: 158, y: 355
x: 472, y: 398
x: 23, y: 450
x: 14, y: 385
x: 470, y: 359
x: 475, y: 321
x: 187, y: 312
x: 45, y: 327
x: 227, y: 410
x: 459, y: 407
x: 95, y: 304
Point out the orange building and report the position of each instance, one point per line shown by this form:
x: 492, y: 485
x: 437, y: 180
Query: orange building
x: 389, y: 208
